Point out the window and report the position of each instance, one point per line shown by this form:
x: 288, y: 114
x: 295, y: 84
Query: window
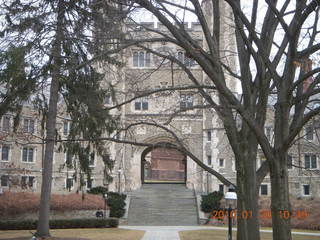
x: 141, y: 104
x: 209, y: 160
x: 6, y: 123
x: 290, y: 162
x: 4, y: 181
x: 310, y: 161
x: 66, y: 127
x: 183, y: 58
x: 306, y: 190
x: 209, y: 136
x: 28, y: 154
x: 221, y: 162
x: 69, y: 183
x: 221, y: 188
x: 107, y: 100
x: 27, y: 181
x: 189, y: 62
x: 28, y: 125
x: 91, y: 160
x: 89, y: 183
x: 5, y: 153
x: 264, y: 189
x: 68, y: 158
x: 141, y: 59
x: 186, y: 101
x: 309, y: 133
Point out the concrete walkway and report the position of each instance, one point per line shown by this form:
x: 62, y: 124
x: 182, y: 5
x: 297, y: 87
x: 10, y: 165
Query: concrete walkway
x: 162, y: 232
x: 172, y: 232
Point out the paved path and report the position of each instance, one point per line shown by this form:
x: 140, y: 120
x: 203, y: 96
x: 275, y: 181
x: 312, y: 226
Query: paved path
x: 161, y: 232
x: 172, y: 232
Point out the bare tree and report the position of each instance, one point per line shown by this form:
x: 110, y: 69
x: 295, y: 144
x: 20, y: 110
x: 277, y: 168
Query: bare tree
x: 268, y: 53
x: 269, y: 50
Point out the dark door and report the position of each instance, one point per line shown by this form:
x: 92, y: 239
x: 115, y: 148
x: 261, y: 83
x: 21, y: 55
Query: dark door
x: 164, y: 165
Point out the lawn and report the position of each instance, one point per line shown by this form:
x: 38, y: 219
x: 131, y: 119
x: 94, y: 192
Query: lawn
x: 92, y: 234
x: 222, y: 235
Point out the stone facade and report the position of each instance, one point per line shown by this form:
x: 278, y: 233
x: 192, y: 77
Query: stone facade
x: 22, y: 153
x: 200, y: 131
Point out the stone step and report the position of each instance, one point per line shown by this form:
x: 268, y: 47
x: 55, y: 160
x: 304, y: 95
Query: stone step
x: 162, y: 205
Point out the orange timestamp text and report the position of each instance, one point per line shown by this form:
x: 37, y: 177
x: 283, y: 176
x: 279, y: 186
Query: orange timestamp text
x: 263, y: 214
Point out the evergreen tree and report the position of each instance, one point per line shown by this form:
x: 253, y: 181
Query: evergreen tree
x: 16, y: 83
x: 60, y: 37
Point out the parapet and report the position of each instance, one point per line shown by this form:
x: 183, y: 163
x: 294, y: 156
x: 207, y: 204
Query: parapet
x: 189, y: 26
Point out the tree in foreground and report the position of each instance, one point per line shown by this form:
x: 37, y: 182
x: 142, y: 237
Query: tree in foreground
x: 59, y: 38
x: 274, y: 52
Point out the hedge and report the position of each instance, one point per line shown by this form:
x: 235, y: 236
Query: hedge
x: 60, y: 223
x: 100, y: 190
x: 211, y: 201
x: 116, y: 201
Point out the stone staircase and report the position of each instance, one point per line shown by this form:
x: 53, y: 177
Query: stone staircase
x: 162, y: 205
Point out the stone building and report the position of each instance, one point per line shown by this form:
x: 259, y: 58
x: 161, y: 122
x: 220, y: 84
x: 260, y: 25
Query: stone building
x: 22, y: 152
x: 199, y: 130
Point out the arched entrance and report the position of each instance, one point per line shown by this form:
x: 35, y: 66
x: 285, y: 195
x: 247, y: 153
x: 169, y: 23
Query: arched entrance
x: 163, y: 165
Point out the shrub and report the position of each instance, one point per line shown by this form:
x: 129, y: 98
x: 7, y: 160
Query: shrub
x: 60, y: 224
x: 211, y: 201
x: 117, y: 204
x: 117, y: 213
x: 116, y: 201
x: 69, y: 202
x: 15, y: 203
x: 117, y: 195
x: 100, y: 190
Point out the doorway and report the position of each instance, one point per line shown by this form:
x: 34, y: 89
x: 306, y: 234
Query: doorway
x: 163, y: 165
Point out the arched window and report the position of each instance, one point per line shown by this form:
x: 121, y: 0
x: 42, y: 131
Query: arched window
x: 141, y: 59
x: 186, y: 101
x: 180, y: 57
x: 183, y: 58
x: 135, y: 59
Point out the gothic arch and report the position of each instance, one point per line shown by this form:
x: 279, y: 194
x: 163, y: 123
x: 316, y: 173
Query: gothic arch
x: 163, y: 164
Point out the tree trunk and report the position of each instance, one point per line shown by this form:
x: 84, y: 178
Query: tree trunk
x: 280, y: 201
x: 278, y: 164
x: 44, y: 209
x: 244, y: 145
x: 247, y: 209
x: 247, y: 204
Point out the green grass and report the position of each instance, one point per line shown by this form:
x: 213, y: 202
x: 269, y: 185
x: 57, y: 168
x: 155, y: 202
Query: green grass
x: 92, y: 234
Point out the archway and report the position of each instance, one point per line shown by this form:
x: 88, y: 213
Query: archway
x: 163, y: 165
